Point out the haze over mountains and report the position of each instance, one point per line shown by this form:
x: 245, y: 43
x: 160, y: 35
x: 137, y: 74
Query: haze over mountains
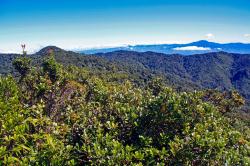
x: 197, y: 47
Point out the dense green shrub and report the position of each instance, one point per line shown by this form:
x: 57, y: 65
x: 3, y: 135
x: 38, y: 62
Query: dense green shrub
x: 52, y: 68
x: 59, y: 116
x: 22, y: 65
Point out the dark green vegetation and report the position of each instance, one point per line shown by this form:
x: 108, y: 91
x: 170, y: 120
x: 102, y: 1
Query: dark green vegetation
x: 221, y: 71
x: 67, y: 109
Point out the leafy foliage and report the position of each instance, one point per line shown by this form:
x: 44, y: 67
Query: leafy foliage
x: 222, y: 71
x: 52, y: 69
x: 70, y: 116
x: 22, y: 65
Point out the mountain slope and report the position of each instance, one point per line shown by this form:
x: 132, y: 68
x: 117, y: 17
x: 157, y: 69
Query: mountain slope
x: 220, y: 70
x: 202, y: 46
x: 223, y: 71
x: 58, y: 115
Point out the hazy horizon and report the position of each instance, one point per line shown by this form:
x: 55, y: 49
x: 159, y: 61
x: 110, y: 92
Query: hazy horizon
x: 79, y: 24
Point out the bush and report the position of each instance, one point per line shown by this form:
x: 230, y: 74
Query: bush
x: 22, y: 65
x: 90, y: 121
x: 53, y: 69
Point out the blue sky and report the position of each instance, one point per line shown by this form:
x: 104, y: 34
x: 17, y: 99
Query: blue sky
x: 73, y: 24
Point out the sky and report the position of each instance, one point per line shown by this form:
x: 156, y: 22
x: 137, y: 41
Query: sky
x: 79, y: 24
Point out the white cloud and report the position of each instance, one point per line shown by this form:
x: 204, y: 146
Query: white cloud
x: 209, y: 36
x: 247, y: 35
x: 192, y: 48
x: 10, y: 51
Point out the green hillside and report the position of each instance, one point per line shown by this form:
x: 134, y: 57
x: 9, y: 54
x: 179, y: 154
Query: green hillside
x: 89, y: 114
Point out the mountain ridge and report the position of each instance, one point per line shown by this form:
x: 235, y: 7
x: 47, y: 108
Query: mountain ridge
x: 186, y: 49
x: 216, y: 70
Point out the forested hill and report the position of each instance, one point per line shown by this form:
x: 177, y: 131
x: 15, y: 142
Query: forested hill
x: 63, y: 108
x: 223, y: 71
x: 212, y: 70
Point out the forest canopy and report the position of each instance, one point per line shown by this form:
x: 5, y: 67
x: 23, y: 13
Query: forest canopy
x: 67, y: 115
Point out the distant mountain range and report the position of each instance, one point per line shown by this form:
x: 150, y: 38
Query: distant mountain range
x: 217, y: 70
x: 199, y: 47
